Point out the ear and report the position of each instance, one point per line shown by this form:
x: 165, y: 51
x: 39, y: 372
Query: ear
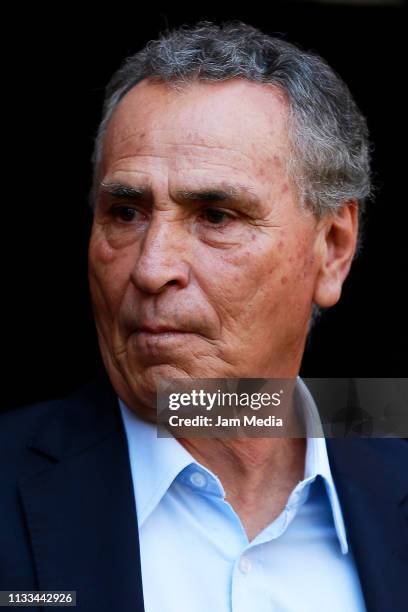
x: 337, y: 245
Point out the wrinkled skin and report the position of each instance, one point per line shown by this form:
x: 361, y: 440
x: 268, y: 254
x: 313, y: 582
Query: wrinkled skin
x: 239, y: 283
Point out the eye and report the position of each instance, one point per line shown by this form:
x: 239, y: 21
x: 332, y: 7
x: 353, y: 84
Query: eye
x: 124, y: 213
x: 215, y: 216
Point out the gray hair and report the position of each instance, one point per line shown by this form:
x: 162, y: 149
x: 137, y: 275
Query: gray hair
x: 329, y: 161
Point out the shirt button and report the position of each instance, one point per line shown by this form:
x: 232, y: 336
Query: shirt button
x: 198, y: 479
x: 245, y: 565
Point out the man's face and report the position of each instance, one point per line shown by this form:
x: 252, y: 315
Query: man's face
x: 209, y: 240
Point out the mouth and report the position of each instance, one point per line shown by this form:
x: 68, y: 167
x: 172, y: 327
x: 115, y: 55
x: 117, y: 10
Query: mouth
x: 158, y: 343
x: 159, y: 329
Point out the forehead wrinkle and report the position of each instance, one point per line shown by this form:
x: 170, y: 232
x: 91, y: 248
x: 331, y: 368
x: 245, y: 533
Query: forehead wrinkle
x: 208, y: 141
x: 203, y: 159
x: 146, y: 147
x: 124, y: 128
x: 205, y: 162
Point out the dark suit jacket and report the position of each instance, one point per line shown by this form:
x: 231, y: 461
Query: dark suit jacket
x: 68, y: 518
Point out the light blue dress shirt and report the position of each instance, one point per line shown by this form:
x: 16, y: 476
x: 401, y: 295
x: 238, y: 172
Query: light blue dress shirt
x: 195, y: 553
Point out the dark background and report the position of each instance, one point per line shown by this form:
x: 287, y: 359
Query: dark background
x: 58, y: 66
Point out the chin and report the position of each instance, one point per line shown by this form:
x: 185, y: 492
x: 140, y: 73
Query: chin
x: 145, y: 383
x: 152, y: 377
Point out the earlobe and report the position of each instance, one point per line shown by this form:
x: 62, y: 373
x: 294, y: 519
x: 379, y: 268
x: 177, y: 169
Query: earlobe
x: 338, y: 241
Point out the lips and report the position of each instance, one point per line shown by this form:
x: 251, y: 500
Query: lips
x: 158, y: 329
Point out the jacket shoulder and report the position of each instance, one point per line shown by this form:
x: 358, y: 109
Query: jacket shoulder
x: 19, y: 424
x: 55, y: 425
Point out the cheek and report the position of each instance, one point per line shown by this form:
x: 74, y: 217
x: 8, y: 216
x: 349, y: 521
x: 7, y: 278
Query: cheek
x: 230, y: 276
x: 284, y: 273
x: 109, y: 273
x: 305, y: 264
x: 297, y: 274
x: 240, y: 283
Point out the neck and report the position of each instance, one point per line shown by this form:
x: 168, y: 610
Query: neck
x: 253, y: 467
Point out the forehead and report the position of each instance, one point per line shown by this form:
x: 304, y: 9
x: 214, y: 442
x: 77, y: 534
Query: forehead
x: 241, y: 121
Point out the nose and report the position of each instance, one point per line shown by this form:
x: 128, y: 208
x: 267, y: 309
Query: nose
x: 161, y: 261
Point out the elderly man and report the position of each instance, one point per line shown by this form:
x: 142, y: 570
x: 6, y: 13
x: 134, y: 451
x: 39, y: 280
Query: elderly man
x: 230, y: 171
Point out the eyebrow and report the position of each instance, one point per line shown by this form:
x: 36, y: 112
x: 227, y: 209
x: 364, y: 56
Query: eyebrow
x: 227, y: 193
x: 124, y: 191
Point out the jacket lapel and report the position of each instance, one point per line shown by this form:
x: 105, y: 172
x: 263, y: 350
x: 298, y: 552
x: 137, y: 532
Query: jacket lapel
x: 373, y: 489
x: 79, y: 504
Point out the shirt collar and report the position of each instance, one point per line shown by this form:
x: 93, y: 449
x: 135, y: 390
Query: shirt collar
x: 317, y: 460
x: 156, y: 462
